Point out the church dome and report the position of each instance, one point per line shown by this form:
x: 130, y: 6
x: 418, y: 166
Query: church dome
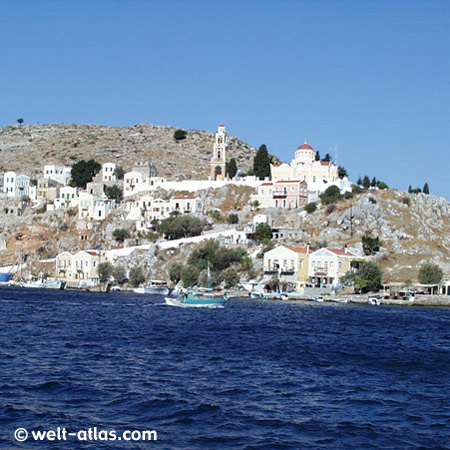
x: 305, y: 146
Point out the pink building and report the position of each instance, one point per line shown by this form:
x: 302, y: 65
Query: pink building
x: 290, y: 194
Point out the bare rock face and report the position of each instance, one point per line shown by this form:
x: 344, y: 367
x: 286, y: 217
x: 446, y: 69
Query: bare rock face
x: 26, y: 149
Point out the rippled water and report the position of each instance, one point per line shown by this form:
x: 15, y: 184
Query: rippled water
x: 254, y: 375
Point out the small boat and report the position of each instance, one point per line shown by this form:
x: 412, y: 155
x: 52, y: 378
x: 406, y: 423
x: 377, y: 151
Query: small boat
x: 198, y: 300
x: 154, y: 287
x: 44, y: 284
x: 318, y: 298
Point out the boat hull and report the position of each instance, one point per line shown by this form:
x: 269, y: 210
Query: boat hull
x: 196, y: 303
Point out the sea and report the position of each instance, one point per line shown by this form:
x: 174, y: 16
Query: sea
x: 253, y: 375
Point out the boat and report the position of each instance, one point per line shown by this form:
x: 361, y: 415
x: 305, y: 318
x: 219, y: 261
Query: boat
x: 154, y: 287
x: 198, y: 300
x: 318, y: 298
x: 44, y: 284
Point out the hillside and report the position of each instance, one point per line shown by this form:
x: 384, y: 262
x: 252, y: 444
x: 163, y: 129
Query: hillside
x: 27, y: 148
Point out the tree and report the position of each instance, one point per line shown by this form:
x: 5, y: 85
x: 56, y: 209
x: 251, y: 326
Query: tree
x: 430, y: 274
x: 189, y: 275
x: 359, y: 182
x: 119, y: 173
x: 382, y: 185
x: 255, y: 204
x: 119, y: 274
x: 373, y: 183
x: 104, y: 271
x: 342, y: 172
x: 179, y: 135
x: 327, y: 158
x: 426, y: 189
x: 263, y: 232
x: 137, y: 276
x: 370, y: 275
x: 317, y: 158
x: 113, y: 192
x: 331, y: 195
x: 233, y: 218
x: 175, y: 272
x: 231, y: 277
x: 185, y: 226
x: 311, y: 207
x: 409, y: 189
x: 231, y: 168
x: 83, y: 172
x: 20, y: 121
x: 261, y: 163
x: 366, y: 182
x: 371, y: 245
x: 120, y: 234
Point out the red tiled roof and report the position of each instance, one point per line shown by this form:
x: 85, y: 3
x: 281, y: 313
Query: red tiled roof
x: 305, y: 146
x: 92, y: 253
x: 267, y: 184
x: 325, y: 163
x: 297, y: 249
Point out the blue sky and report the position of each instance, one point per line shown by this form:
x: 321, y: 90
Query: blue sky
x: 370, y: 77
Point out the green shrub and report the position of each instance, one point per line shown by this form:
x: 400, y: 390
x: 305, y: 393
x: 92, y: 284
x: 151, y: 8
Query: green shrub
x: 233, y: 218
x: 120, y: 234
x: 179, y: 135
x: 311, y: 207
x: 406, y: 201
x: 430, y: 274
x: 331, y: 195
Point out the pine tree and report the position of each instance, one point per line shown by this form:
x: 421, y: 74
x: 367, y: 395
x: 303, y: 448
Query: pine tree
x: 231, y: 168
x: 426, y: 189
x: 317, y: 156
x: 409, y: 189
x: 374, y: 182
x: 261, y: 163
x: 366, y: 182
x: 327, y: 157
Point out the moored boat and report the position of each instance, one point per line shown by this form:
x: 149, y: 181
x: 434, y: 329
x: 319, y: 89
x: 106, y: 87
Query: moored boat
x: 198, y: 300
x: 154, y: 287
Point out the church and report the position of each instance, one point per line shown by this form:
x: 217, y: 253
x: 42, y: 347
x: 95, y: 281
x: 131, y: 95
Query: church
x: 318, y: 175
x: 219, y: 158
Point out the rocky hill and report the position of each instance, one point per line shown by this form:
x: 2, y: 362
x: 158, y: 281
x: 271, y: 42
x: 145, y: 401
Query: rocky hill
x: 26, y: 149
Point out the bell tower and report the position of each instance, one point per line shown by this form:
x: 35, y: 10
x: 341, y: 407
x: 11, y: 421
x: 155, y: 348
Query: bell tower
x: 219, y: 158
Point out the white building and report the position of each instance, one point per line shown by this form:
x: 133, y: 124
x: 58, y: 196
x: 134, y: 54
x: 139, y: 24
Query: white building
x: 68, y: 197
x: 93, y: 208
x: 187, y: 204
x: 108, y: 172
x: 22, y: 186
x: 9, y: 184
x: 319, y: 175
x: 58, y: 172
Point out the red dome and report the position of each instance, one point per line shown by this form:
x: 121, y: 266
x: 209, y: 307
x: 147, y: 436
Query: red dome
x: 305, y: 146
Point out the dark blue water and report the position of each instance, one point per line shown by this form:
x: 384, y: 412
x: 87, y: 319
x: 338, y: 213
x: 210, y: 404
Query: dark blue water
x: 253, y: 375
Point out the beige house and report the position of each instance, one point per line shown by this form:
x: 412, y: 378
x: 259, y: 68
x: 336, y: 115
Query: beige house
x: 289, y: 263
x: 79, y: 267
x: 92, y: 207
x: 68, y: 197
x: 328, y: 265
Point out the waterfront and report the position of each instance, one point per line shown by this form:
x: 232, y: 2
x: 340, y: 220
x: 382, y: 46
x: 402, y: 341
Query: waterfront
x: 253, y: 375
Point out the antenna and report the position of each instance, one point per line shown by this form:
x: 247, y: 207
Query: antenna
x: 336, y: 154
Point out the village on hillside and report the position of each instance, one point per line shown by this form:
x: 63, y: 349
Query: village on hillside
x: 253, y: 230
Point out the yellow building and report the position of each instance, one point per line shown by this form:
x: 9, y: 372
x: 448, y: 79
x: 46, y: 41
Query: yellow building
x: 289, y: 263
x: 328, y: 265
x: 79, y: 267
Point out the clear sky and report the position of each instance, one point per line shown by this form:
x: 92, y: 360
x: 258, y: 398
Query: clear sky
x: 371, y: 78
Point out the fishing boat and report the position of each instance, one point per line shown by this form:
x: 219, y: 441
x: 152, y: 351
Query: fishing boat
x: 44, y: 284
x: 154, y: 287
x: 197, y: 299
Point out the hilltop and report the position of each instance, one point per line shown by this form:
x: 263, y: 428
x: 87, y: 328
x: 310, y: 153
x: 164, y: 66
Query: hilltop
x: 27, y: 148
